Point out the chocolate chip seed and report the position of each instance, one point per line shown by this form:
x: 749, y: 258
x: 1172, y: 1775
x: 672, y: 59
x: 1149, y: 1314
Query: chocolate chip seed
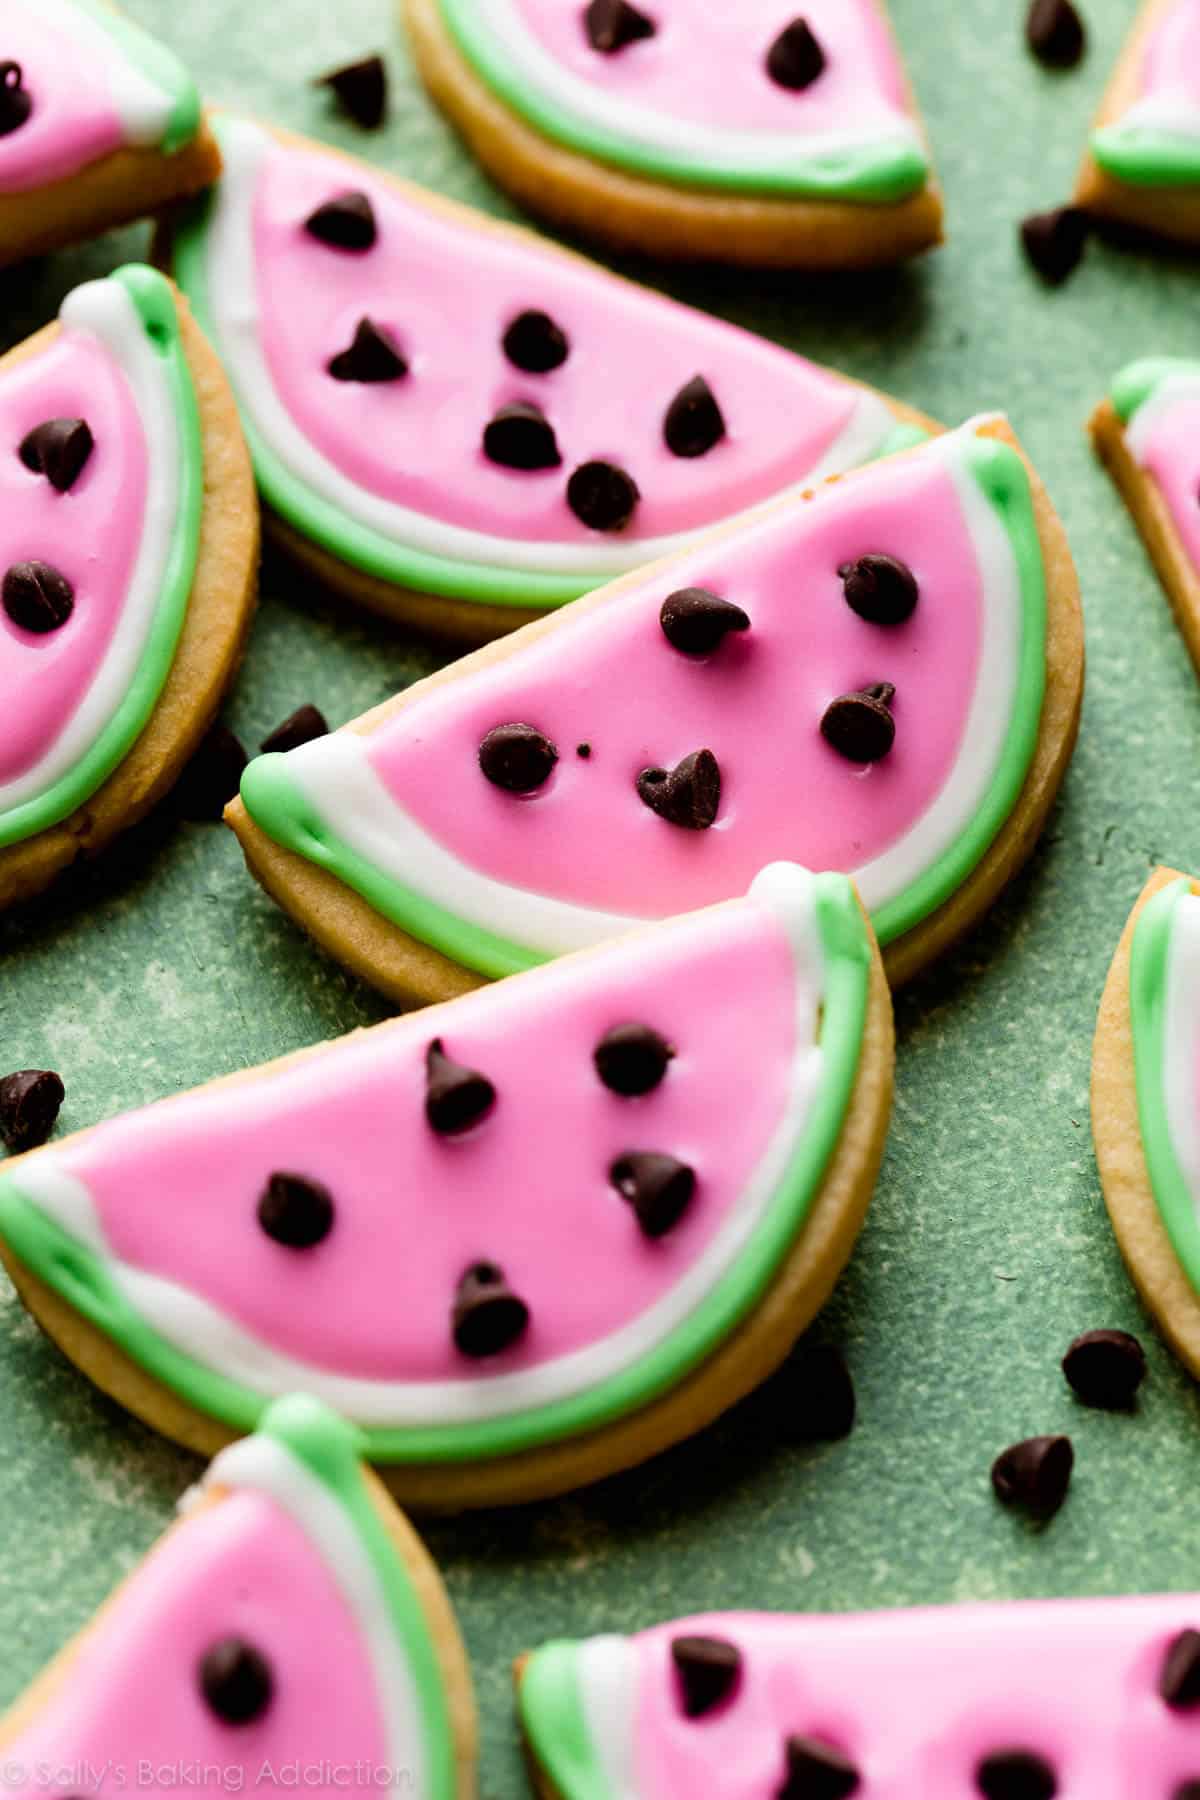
x: 300, y: 727
x: 488, y: 1317
x: 1054, y: 32
x: 296, y: 1212
x: 795, y: 60
x: 860, y: 726
x: 58, y: 449
x: 1106, y: 1369
x: 1188, y: 1790
x: 694, y: 422
x: 236, y: 1681
x: 660, y: 1188
x: 689, y: 795
x: 29, y: 1103
x: 517, y: 758
x: 347, y: 222
x: 697, y: 622
x: 1035, y: 1474
x: 708, y: 1669
x: 812, y: 1397
x: 37, y: 597
x: 817, y: 1771
x: 360, y: 89
x: 1016, y: 1775
x: 602, y: 496
x: 612, y: 24
x: 1054, y: 242
x: 373, y: 356
x: 880, y: 589
x: 521, y: 437
x: 534, y: 343
x: 583, y: 750
x: 16, y: 103
x: 455, y: 1097
x: 213, y: 776
x: 632, y: 1059
x: 1179, y: 1681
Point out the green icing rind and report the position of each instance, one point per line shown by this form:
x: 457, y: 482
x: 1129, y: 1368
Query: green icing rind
x: 152, y: 296
x: 87, y: 1283
x: 159, y: 65
x: 554, y: 1723
x: 1148, y: 997
x: 878, y: 173
x: 1139, y: 381
x: 1146, y: 156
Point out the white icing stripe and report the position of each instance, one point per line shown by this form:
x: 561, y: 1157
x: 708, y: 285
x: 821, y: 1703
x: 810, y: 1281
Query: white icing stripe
x: 607, y: 1672
x: 198, y: 1328
x: 238, y: 327
x: 104, y: 310
x: 263, y: 1465
x: 1173, y: 113
x: 143, y: 108
x: 1181, y: 1046
x: 1144, y: 422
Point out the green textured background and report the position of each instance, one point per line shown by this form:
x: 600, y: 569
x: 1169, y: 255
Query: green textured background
x: 988, y: 1247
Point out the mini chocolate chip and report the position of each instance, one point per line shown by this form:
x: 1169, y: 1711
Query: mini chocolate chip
x: 347, y: 222
x: 236, y: 1681
x: 37, y: 597
x: 694, y: 422
x: 584, y: 750
x: 488, y: 1317
x: 1054, y: 241
x: 360, y: 89
x: 708, y: 1669
x: 16, y: 104
x: 372, y: 356
x: 1016, y: 1775
x: 213, y: 776
x: 1106, y: 1368
x: 602, y: 496
x: 795, y: 60
x: 520, y: 436
x: 29, y: 1103
x: 518, y: 758
x: 300, y: 727
x: 58, y: 449
x: 689, y: 795
x: 660, y: 1188
x: 612, y: 24
x: 534, y: 343
x: 812, y: 1396
x: 1179, y: 1680
x: 632, y: 1059
x: 295, y: 1211
x: 1035, y: 1474
x: 1054, y: 32
x: 455, y: 1097
x: 880, y: 589
x: 697, y: 622
x: 860, y: 726
x: 817, y: 1771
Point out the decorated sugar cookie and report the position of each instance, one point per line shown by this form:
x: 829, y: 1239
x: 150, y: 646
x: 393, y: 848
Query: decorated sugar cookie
x: 1146, y: 1104
x: 522, y: 1240
x: 128, y: 549
x: 456, y: 423
x: 289, y: 1621
x: 1020, y: 1701
x: 757, y: 133
x: 1143, y: 161
x: 99, y: 124
x: 883, y: 678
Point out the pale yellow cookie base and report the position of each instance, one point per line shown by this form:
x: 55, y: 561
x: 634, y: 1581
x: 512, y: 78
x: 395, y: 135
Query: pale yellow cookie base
x: 752, y: 1353
x: 631, y: 212
x: 210, y: 646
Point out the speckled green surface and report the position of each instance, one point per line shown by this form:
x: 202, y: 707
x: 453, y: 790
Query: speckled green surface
x: 988, y: 1247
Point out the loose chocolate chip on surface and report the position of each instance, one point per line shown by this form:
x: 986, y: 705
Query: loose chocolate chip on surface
x: 518, y: 758
x: 1016, y: 1775
x: 295, y: 1211
x: 1179, y: 1680
x: 697, y: 622
x: 632, y: 1059
x: 1035, y: 1474
x: 708, y: 1669
x: 612, y: 24
x: 236, y: 1681
x: 16, y: 102
x: 880, y: 589
x: 694, y: 422
x: 372, y: 356
x: 213, y: 776
x: 360, y: 89
x: 58, y: 449
x: 455, y: 1097
x: 602, y: 496
x: 689, y: 795
x: 812, y: 1396
x: 521, y: 437
x: 488, y: 1317
x: 37, y: 597
x: 817, y: 1771
x: 660, y: 1188
x: 1054, y: 32
x: 1106, y: 1368
x: 300, y: 727
x: 29, y: 1103
x: 860, y: 726
x: 347, y: 222
x: 1054, y: 241
x: 795, y: 60
x: 534, y: 343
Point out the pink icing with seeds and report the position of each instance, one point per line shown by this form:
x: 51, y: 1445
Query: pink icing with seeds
x: 73, y: 122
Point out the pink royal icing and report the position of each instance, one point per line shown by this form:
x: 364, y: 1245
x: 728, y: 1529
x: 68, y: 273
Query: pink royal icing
x: 1170, y: 65
x: 1168, y: 448
x: 74, y: 120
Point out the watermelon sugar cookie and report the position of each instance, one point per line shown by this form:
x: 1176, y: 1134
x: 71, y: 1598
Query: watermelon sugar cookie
x: 462, y: 426
x: 1146, y: 1104
x: 289, y: 1620
x: 99, y: 124
x: 882, y: 677
x: 128, y: 556
x: 755, y: 133
x: 1079, y: 1699
x: 384, y: 1222
x: 1143, y: 162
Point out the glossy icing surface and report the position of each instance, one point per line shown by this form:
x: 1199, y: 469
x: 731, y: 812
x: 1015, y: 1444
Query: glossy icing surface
x: 1165, y: 1002
x: 1159, y: 401
x: 1156, y: 141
